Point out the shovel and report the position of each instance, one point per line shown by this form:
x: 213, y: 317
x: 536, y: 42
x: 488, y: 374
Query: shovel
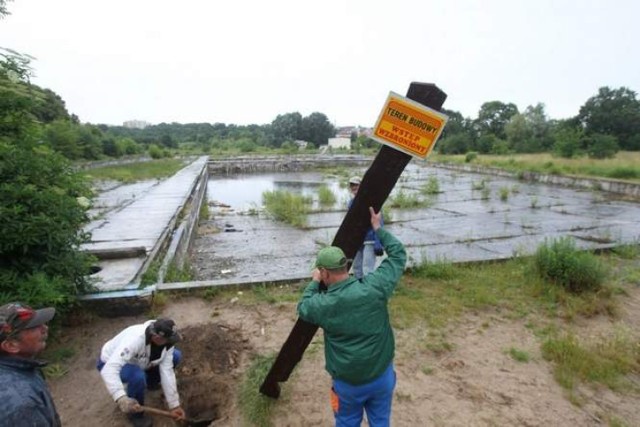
x: 187, y: 421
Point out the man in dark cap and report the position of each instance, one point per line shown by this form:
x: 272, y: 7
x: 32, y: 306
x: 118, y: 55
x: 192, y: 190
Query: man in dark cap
x: 142, y: 356
x: 358, y: 340
x: 25, y: 399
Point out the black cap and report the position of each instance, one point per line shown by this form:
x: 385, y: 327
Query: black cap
x: 166, y: 328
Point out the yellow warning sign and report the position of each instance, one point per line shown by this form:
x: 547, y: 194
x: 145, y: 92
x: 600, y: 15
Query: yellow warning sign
x: 408, y: 126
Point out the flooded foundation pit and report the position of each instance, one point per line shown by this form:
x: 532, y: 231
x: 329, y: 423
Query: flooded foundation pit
x: 458, y: 217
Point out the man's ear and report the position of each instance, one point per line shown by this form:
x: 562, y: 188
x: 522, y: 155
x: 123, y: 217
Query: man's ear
x: 10, y: 346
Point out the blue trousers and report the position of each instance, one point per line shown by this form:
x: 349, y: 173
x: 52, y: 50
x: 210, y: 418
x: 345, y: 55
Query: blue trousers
x: 349, y: 401
x: 137, y: 379
x: 365, y: 260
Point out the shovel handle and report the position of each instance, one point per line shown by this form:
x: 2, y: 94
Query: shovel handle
x: 155, y: 411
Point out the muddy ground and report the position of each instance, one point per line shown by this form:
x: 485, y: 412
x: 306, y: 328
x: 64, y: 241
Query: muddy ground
x: 476, y: 383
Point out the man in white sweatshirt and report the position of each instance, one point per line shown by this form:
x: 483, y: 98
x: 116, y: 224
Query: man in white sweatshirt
x: 142, y: 356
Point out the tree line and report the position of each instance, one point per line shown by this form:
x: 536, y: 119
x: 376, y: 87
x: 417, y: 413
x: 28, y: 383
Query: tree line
x: 607, y: 122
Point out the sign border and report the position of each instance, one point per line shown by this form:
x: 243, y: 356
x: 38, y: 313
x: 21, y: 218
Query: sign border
x: 418, y: 106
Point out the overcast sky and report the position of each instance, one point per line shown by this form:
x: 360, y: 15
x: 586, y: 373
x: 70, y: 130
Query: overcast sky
x: 246, y: 61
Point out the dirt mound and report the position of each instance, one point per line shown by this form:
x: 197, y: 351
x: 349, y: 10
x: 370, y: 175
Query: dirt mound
x: 211, y: 354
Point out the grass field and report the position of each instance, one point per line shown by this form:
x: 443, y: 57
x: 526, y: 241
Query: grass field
x: 437, y: 295
x: 625, y: 166
x: 140, y: 171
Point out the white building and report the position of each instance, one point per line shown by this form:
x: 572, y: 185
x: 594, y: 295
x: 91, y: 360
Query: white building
x: 136, y: 124
x: 335, y: 143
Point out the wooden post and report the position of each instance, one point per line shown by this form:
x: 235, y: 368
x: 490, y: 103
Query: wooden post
x: 375, y: 187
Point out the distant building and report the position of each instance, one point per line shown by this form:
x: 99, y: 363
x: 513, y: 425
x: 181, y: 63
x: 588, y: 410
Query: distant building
x: 301, y: 144
x: 347, y: 131
x: 366, y: 132
x: 340, y: 143
x: 136, y: 124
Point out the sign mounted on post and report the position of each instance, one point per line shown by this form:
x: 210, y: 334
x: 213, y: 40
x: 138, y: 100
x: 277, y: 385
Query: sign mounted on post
x: 408, y: 126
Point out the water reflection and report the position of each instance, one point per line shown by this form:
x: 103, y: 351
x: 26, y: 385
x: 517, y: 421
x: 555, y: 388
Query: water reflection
x: 244, y: 191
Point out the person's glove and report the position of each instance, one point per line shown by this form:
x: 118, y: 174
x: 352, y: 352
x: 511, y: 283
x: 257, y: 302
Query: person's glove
x: 178, y: 413
x: 128, y: 405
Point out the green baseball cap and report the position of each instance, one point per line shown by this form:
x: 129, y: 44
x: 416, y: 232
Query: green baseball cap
x: 331, y: 258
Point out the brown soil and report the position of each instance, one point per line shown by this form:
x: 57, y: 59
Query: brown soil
x: 474, y: 383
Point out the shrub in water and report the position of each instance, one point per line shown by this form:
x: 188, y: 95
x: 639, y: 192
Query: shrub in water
x: 287, y: 207
x: 559, y: 261
x: 432, y: 186
x: 326, y: 198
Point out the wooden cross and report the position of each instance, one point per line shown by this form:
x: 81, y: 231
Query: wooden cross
x: 375, y: 187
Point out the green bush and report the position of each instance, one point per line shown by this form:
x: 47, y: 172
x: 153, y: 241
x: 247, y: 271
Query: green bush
x: 289, y: 147
x: 41, y: 228
x: 559, y: 262
x: 246, y: 145
x: 470, y: 157
x: 566, y: 148
x: 156, y: 152
x: 600, y: 146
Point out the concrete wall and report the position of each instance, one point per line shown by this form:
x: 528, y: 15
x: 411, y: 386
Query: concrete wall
x: 282, y: 163
x: 185, y: 232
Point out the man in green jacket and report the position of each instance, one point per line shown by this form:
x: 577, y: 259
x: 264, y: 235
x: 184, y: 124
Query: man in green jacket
x: 359, y: 343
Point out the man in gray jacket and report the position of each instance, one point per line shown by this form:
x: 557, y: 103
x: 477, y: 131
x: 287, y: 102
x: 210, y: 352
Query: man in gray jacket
x: 25, y: 400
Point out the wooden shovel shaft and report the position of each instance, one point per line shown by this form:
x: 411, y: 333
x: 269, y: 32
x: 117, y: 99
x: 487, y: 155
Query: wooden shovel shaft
x: 155, y: 411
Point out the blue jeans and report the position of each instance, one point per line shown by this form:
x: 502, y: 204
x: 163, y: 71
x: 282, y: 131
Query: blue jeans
x: 137, y: 379
x: 349, y: 401
x: 365, y: 260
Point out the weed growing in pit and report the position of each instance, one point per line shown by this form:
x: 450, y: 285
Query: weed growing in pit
x: 504, y: 193
x: 534, y: 203
x: 287, y: 207
x: 405, y: 200
x: 478, y: 185
x: 432, y: 186
x: 326, y: 198
x: 485, y: 193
